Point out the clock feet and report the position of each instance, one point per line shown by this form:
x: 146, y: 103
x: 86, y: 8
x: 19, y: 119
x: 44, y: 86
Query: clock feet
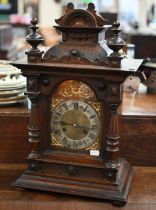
x: 119, y: 203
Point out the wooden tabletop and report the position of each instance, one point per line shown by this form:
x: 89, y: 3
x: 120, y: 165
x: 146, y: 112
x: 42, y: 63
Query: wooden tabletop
x: 142, y: 194
x: 14, y: 110
x: 139, y: 103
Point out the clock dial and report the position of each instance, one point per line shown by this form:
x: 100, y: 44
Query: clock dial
x: 75, y: 124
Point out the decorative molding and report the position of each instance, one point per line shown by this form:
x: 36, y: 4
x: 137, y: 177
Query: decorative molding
x: 69, y: 59
x: 81, y: 17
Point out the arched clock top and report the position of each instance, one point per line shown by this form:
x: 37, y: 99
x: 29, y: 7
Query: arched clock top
x: 81, y: 18
x: 77, y: 88
x: 80, y: 38
x: 92, y: 88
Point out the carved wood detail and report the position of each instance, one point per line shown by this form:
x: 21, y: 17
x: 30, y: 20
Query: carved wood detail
x: 75, y: 59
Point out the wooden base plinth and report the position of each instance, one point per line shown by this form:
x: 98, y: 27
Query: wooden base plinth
x: 114, y: 190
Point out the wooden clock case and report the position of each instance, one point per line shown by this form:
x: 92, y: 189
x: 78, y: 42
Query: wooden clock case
x: 78, y: 57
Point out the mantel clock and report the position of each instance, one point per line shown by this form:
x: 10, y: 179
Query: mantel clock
x: 75, y: 90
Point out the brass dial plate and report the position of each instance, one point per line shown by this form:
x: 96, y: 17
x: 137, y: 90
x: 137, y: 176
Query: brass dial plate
x: 75, y: 124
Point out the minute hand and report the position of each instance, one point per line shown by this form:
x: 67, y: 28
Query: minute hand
x: 75, y: 125
x: 65, y: 123
x: 84, y: 127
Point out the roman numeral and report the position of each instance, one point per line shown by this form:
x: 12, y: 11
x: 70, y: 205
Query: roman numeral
x: 57, y: 132
x: 85, y: 108
x: 92, y: 136
x: 65, y: 140
x: 93, y: 116
x: 84, y: 142
x: 76, y: 105
x: 74, y: 144
x: 65, y: 106
x: 58, y: 113
x: 94, y: 127
x: 56, y: 122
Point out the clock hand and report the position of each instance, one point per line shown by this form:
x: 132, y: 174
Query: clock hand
x: 65, y: 123
x: 75, y: 125
x: 84, y: 127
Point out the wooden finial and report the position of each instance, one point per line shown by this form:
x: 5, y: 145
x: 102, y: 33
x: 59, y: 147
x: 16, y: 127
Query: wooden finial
x: 91, y: 6
x: 34, y: 39
x: 100, y: 21
x: 70, y: 6
x: 116, y: 43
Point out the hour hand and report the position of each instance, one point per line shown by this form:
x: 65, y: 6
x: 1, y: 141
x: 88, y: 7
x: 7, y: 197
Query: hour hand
x: 76, y: 125
x: 83, y: 127
x: 65, y: 123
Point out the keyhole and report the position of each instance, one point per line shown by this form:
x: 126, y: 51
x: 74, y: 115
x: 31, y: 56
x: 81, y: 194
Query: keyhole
x: 65, y: 129
x: 85, y: 131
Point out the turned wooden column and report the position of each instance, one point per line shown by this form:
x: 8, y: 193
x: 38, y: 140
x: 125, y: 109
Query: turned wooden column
x: 112, y: 139
x: 33, y: 128
x: 116, y: 43
x: 34, y: 55
x: 113, y: 101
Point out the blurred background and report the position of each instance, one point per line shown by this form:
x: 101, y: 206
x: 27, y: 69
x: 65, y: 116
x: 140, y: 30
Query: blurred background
x: 137, y: 18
